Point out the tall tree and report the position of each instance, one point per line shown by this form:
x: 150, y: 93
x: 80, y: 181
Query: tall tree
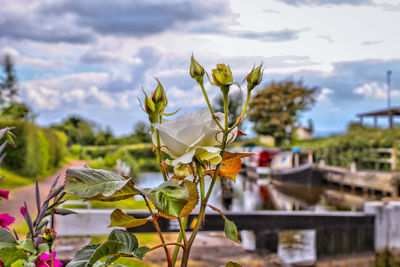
x: 274, y: 109
x: 9, y: 83
x: 235, y: 101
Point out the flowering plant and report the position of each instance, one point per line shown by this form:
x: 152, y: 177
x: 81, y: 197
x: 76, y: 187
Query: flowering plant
x: 30, y: 251
x: 195, y: 146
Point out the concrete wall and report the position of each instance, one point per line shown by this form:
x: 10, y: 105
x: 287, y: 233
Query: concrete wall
x: 387, y: 224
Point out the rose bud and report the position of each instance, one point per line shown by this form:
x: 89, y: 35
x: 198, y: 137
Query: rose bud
x: 49, y: 235
x: 159, y: 98
x: 196, y: 70
x: 149, y: 105
x: 222, y: 77
x: 254, y: 77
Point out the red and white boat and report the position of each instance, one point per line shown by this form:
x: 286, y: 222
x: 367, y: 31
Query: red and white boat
x: 259, y: 164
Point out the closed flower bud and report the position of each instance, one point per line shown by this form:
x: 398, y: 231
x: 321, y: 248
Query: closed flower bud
x: 222, y: 76
x: 254, y: 77
x: 159, y: 98
x: 49, y: 235
x: 196, y: 70
x: 149, y: 105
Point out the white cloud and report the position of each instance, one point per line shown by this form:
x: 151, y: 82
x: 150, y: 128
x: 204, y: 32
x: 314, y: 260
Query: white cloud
x: 43, y: 98
x: 375, y: 90
x: 324, y: 94
x: 80, y: 90
x: 20, y: 60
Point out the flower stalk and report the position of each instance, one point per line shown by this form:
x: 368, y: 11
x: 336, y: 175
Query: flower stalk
x: 204, y: 201
x: 167, y: 253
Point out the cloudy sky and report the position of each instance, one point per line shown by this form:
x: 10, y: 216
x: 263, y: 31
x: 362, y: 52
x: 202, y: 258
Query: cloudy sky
x: 92, y: 57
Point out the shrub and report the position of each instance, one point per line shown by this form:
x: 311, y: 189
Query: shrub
x: 37, y: 150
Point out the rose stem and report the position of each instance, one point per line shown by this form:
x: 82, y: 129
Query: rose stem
x: 167, y: 244
x: 209, y: 106
x: 182, y: 234
x: 243, y: 111
x: 186, y: 250
x: 158, y: 231
x: 51, y: 256
x: 159, y: 156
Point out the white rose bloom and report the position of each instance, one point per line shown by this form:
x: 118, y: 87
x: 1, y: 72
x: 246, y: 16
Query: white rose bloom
x: 192, y: 135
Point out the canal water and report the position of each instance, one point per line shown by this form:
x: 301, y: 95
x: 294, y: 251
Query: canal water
x: 264, y: 194
x: 249, y: 195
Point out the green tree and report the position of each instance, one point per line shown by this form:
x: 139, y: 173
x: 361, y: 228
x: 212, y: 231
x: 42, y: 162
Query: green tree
x: 78, y: 130
x: 104, y: 137
x: 18, y: 111
x: 276, y: 106
x: 141, y: 133
x: 235, y: 101
x: 10, y: 108
x: 9, y: 82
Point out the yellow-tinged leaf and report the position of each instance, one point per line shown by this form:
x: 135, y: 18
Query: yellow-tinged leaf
x: 192, y: 201
x: 193, y: 223
x: 228, y: 156
x: 231, y: 164
x: 121, y: 219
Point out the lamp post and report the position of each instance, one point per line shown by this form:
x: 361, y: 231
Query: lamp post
x: 388, y: 73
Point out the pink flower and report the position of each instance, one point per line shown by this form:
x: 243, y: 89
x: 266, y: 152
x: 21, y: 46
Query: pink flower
x: 45, y: 261
x: 23, y: 211
x: 4, y: 193
x: 5, y: 220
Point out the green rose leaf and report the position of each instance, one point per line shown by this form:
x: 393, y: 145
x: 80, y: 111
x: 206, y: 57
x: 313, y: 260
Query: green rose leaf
x: 7, y: 238
x: 128, y: 240
x: 9, y: 255
x: 141, y: 252
x: 27, y: 245
x: 82, y: 257
x: 99, y: 185
x: 232, y: 264
x: 230, y: 230
x: 89, y: 255
x: 170, y: 197
x: 121, y: 219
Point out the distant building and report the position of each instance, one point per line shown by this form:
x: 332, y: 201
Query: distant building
x: 303, y: 133
x: 385, y: 113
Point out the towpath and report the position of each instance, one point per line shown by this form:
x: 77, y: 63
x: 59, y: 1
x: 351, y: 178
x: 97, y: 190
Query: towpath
x: 27, y: 193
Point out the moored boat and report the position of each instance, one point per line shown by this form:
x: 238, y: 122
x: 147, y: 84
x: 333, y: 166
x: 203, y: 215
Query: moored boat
x: 294, y: 167
x: 259, y: 164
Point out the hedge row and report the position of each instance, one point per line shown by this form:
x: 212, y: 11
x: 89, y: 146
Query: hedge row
x: 38, y: 151
x: 354, y: 146
x: 140, y: 157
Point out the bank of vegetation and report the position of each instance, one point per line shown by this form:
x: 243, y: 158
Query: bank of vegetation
x: 369, y: 148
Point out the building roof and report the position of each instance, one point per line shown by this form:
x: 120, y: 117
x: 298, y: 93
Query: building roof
x: 381, y: 112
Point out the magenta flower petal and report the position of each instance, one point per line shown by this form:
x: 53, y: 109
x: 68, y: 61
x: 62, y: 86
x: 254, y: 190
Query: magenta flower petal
x: 6, y: 220
x: 4, y: 193
x: 45, y: 261
x: 23, y: 211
